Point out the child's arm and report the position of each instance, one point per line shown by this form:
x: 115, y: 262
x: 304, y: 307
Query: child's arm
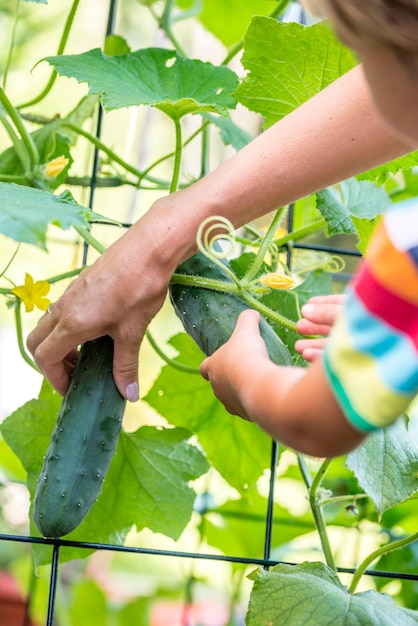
x: 319, y: 315
x: 294, y: 405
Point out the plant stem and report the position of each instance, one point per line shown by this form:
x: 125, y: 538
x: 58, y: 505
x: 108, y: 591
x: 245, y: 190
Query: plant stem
x: 312, y: 486
x: 236, y: 290
x: 17, y: 180
x: 88, y: 238
x: 264, y: 247
x: 301, y: 233
x: 12, y: 43
x: 19, y: 148
x: 347, y: 498
x: 61, y: 47
x: 394, y: 545
x: 165, y: 22
x: 10, y: 261
x: 20, y: 342
x: 104, y: 148
x: 177, y: 157
x: 27, y: 139
x: 274, y: 316
x: 183, y: 367
x: 205, y: 283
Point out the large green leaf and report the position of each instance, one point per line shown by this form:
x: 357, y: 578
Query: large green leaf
x: 26, y: 213
x: 147, y: 484
x: 239, y: 450
x: 228, y: 19
x: 288, y: 64
x: 311, y: 594
x: 155, y: 77
x: 386, y: 466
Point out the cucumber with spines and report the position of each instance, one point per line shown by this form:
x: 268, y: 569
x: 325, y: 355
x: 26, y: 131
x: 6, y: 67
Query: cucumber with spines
x: 82, y: 444
x: 210, y: 316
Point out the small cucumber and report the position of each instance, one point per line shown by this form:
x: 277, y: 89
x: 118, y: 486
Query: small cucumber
x: 209, y: 317
x: 82, y: 444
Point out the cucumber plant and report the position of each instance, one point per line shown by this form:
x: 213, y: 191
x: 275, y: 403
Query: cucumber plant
x: 210, y: 316
x: 43, y: 182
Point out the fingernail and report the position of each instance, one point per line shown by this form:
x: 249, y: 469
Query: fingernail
x: 308, y: 309
x: 132, y: 392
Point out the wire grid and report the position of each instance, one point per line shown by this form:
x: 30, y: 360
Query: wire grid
x: 265, y: 561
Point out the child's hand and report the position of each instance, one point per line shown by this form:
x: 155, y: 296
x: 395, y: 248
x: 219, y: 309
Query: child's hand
x: 229, y: 369
x: 319, y: 315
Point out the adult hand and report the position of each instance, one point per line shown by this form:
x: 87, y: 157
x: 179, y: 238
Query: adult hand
x: 319, y: 315
x: 118, y: 296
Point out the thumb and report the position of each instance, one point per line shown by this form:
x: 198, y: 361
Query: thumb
x: 204, y: 368
x: 125, y: 369
x: 248, y: 321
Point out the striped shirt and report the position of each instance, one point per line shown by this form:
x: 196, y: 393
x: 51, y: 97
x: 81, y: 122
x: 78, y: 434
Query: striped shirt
x: 371, y: 359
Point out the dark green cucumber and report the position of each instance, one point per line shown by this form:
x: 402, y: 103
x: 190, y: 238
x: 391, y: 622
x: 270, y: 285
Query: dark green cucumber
x: 82, y: 444
x: 209, y: 317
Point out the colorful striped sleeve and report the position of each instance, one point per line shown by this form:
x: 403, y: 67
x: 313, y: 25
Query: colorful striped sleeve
x: 371, y: 359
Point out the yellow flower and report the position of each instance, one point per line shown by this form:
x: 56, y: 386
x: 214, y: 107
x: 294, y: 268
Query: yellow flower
x: 55, y: 167
x: 274, y: 280
x: 33, y: 294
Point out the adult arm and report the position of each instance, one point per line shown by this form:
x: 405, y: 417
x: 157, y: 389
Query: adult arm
x: 329, y: 138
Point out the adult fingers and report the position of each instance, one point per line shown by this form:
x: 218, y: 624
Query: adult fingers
x: 125, y: 366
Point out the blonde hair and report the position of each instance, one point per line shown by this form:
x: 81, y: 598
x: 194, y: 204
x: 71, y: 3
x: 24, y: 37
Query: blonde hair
x: 388, y: 22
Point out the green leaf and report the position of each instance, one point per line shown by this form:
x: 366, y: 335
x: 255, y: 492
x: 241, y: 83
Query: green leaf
x: 237, y: 527
x: 386, y: 466
x: 28, y: 429
x: 11, y: 466
x: 312, y: 594
x: 405, y: 561
x: 154, y: 77
x: 380, y: 174
x: 231, y: 134
x: 288, y: 64
x: 364, y: 229
x: 362, y: 200
x: 26, y: 213
x: 88, y: 603
x: 228, y: 19
x: 115, y: 44
x: 147, y: 484
x: 288, y: 302
x: 239, y: 450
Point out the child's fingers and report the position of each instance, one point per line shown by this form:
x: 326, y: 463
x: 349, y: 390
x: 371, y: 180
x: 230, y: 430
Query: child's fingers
x: 321, y: 313
x: 310, y: 349
x: 305, y: 327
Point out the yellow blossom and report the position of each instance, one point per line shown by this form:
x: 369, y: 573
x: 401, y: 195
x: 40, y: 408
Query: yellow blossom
x: 33, y: 294
x: 280, y: 232
x: 56, y: 166
x: 274, y: 280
